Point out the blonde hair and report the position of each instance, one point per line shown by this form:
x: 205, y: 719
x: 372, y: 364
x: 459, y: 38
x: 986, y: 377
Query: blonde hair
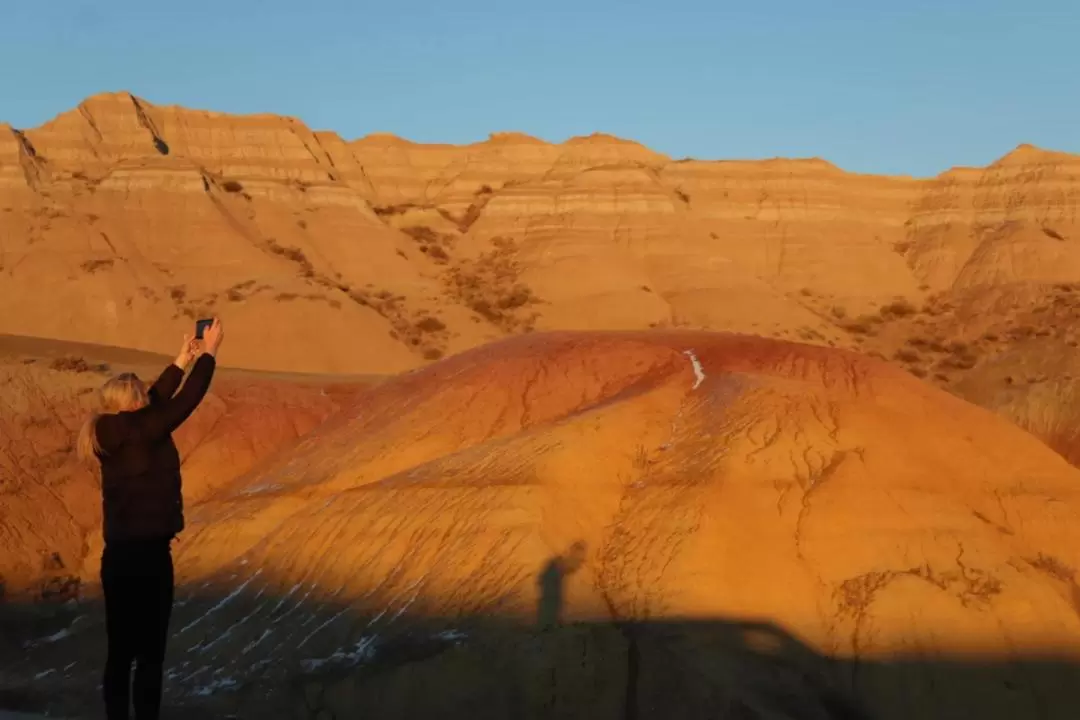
x: 121, y: 393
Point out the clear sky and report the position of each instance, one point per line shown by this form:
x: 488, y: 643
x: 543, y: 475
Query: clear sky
x: 896, y: 87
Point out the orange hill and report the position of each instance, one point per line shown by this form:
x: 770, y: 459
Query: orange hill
x: 694, y: 477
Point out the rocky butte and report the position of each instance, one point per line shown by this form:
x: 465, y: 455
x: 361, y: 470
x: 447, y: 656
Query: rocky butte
x: 569, y: 430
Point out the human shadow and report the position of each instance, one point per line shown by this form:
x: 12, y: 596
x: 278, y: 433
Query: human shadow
x: 551, y: 581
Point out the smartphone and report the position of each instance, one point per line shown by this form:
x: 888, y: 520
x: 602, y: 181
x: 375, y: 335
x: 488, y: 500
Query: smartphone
x: 201, y: 326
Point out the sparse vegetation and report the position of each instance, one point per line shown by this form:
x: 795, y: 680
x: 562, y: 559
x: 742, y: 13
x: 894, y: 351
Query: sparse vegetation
x: 898, y: 309
x: 390, y: 210
x: 907, y: 356
x: 178, y: 293
x: 432, y: 244
x: 232, y: 186
x: 682, y: 195
x: 862, y: 325
x: 1052, y: 233
x: 1053, y: 567
x: 92, y: 266
x: 75, y: 364
x: 294, y: 254
x: 430, y: 324
x: 490, y: 288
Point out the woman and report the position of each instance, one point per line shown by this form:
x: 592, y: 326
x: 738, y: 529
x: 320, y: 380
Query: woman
x: 131, y: 436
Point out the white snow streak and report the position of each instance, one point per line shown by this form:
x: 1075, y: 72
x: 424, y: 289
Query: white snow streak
x: 228, y: 598
x: 363, y: 650
x: 699, y: 371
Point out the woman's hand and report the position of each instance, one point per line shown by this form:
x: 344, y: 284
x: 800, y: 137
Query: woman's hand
x: 213, y: 336
x: 188, y: 352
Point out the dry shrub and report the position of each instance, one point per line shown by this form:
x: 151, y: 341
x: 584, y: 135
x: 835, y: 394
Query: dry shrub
x: 92, y: 266
x: 898, y: 309
x: 232, y: 186
x: 430, y: 324
x: 293, y: 254
x: 1054, y: 567
x: 390, y: 210
x: 907, y: 356
x: 75, y: 364
x: 838, y: 312
x: 435, y: 252
x: 862, y: 325
x: 489, y: 287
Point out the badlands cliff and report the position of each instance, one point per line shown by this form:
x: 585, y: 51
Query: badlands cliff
x: 378, y: 255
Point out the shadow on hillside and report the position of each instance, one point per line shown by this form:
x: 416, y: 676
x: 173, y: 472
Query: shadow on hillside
x: 480, y: 667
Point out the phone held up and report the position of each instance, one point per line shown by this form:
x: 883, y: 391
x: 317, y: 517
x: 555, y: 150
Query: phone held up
x: 201, y: 327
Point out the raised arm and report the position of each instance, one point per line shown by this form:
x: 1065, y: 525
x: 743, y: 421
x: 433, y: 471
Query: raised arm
x: 160, y: 419
x: 157, y: 420
x: 166, y: 384
x: 169, y: 380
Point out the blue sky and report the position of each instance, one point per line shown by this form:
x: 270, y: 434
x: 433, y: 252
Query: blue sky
x: 894, y: 87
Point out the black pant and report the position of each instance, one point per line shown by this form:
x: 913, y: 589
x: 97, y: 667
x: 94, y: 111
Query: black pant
x: 137, y: 577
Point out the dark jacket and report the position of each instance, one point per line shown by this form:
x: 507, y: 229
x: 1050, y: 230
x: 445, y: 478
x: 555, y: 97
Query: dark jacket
x: 140, y: 466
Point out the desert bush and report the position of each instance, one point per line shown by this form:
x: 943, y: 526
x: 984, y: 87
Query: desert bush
x: 388, y: 210
x: 232, y: 186
x: 898, y: 308
x: 838, y: 312
x: 859, y: 326
x: 302, y: 223
x: 901, y: 247
x: 1054, y: 567
x: 682, y: 195
x: 518, y: 296
x: 293, y: 254
x: 472, y: 214
x: 436, y: 252
x: 421, y: 233
x: 1051, y: 232
x: 917, y: 371
x: 432, y: 353
x: 178, y: 293
x: 285, y: 296
x: 92, y: 266
x: 430, y: 324
x: 75, y: 364
x: 907, y: 356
